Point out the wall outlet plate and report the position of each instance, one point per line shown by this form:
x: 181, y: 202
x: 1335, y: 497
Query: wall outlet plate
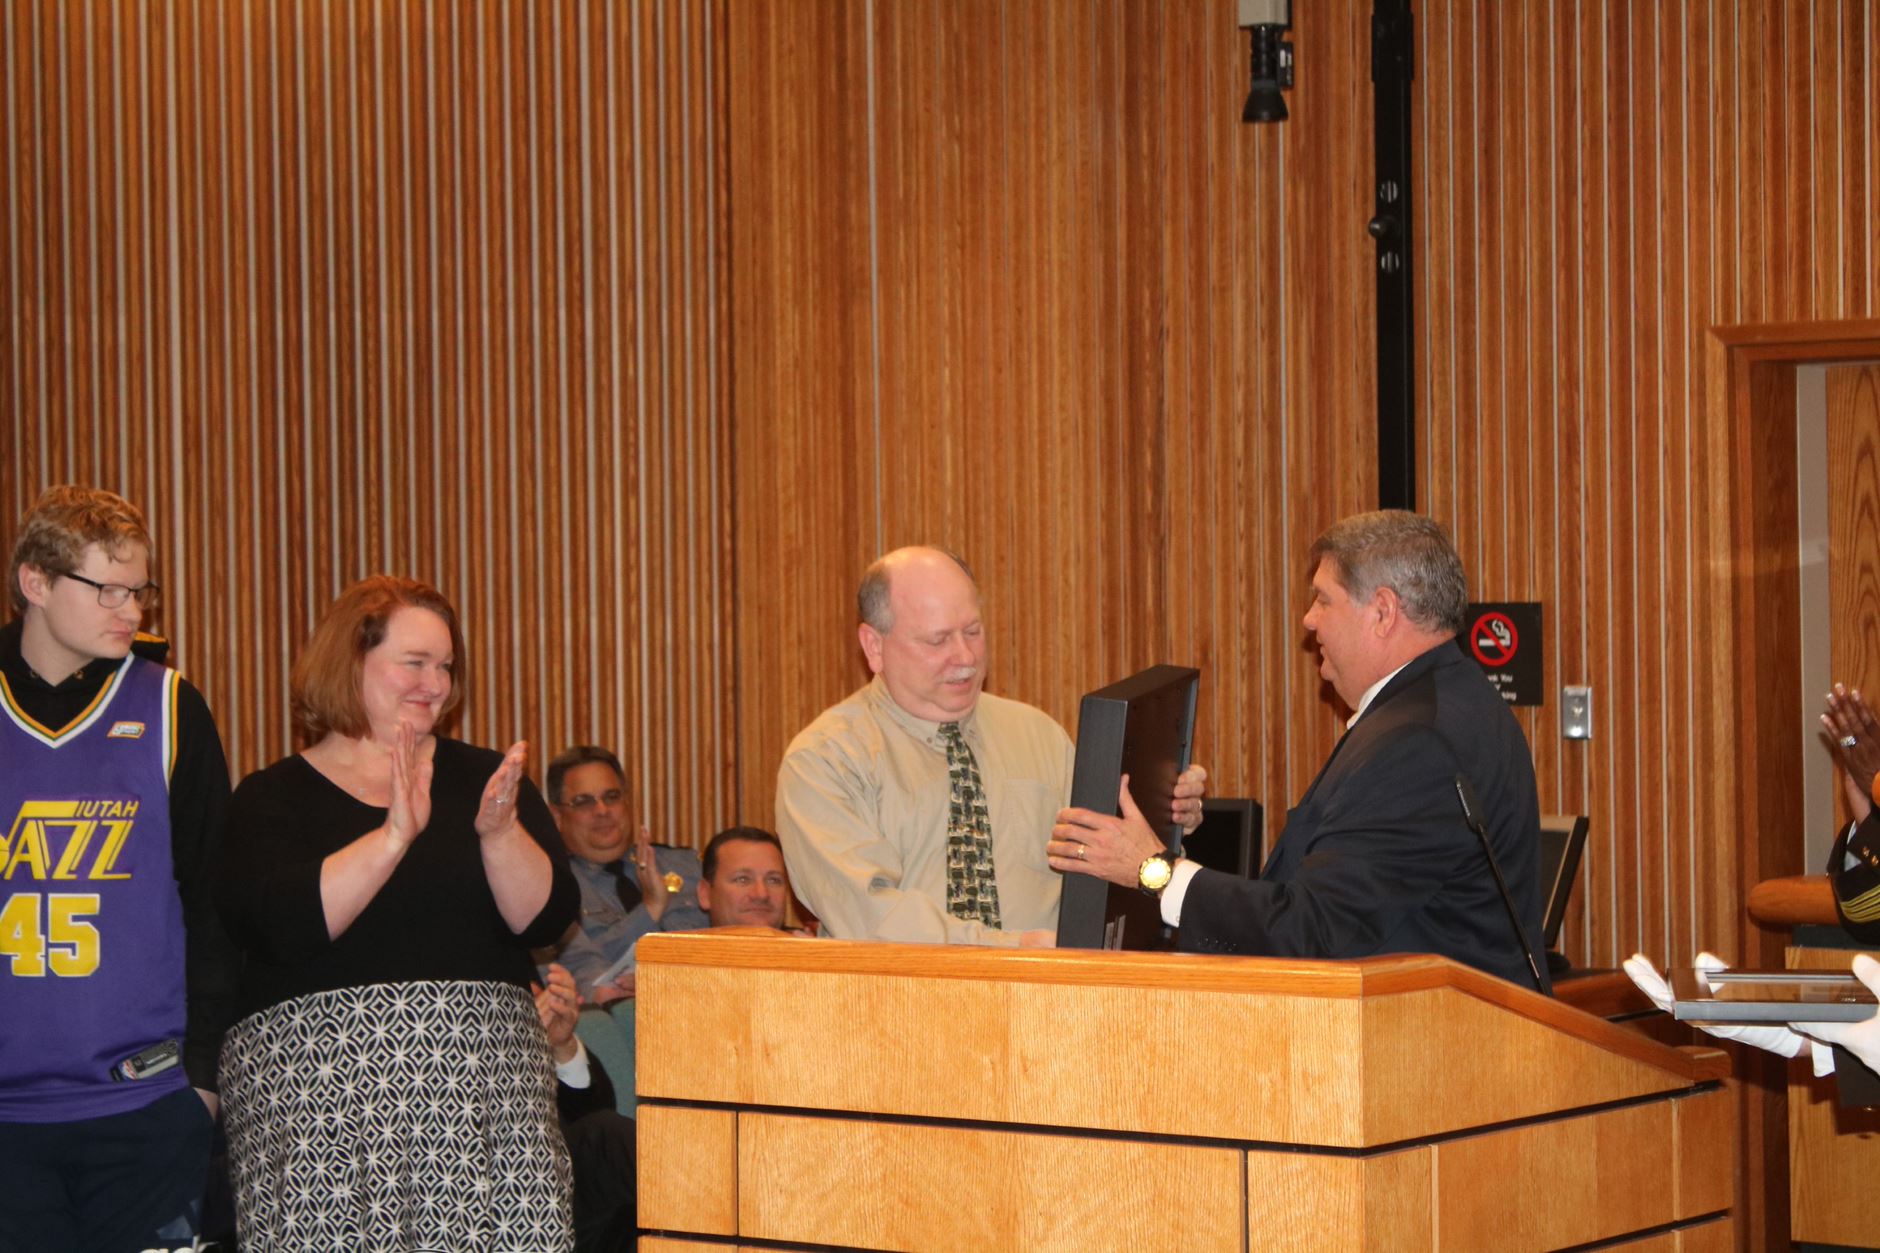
x: 1576, y: 713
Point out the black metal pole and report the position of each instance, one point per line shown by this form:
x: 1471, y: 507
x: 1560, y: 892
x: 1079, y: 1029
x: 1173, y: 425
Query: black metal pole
x: 1392, y: 42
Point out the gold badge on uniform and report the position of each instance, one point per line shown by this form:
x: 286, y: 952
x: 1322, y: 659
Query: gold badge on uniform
x: 674, y: 883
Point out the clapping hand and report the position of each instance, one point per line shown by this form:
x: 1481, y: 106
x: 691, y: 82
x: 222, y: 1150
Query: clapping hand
x: 1856, y: 735
x: 618, y: 988
x: 652, y: 887
x: 558, y: 1006
x: 496, y: 815
x: 410, y: 808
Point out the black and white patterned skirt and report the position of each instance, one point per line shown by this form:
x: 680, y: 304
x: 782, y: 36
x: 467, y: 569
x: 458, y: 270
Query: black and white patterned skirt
x: 396, y: 1118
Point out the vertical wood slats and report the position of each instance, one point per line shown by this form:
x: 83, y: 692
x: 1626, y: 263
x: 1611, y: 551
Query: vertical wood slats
x: 1682, y: 166
x: 436, y: 289
x: 1075, y: 301
x: 1852, y: 396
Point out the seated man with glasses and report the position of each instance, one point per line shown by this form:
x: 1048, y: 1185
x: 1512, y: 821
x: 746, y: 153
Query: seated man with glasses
x: 116, y: 977
x: 629, y: 886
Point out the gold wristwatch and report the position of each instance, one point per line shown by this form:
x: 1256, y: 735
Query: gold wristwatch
x: 1154, y: 873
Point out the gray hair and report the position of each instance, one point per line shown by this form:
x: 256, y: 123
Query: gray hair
x: 580, y: 755
x: 1406, y: 552
x: 872, y: 597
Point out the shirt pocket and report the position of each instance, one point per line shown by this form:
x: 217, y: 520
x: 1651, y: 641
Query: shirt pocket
x: 1022, y: 813
x: 908, y: 817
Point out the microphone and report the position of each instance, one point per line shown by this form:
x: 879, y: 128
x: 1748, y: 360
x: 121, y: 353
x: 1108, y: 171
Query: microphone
x: 1472, y: 814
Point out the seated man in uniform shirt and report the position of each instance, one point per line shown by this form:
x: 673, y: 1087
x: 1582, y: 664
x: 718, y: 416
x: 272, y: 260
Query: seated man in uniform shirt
x: 629, y: 885
x: 917, y: 808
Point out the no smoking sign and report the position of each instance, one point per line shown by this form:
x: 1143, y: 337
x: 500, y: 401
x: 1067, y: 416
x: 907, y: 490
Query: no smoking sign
x: 1504, y: 638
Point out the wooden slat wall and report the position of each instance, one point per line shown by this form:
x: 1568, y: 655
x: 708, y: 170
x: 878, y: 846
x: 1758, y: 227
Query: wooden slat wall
x: 1600, y: 185
x: 422, y: 287
x: 1852, y: 395
x: 1015, y: 277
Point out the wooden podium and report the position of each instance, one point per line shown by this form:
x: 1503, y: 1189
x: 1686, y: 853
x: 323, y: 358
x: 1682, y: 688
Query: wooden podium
x: 816, y: 1092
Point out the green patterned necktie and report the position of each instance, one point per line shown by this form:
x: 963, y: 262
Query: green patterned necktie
x: 972, y: 892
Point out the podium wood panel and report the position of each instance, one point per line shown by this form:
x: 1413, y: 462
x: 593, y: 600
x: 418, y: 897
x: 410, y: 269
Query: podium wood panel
x: 1059, y: 1039
x: 1508, y: 1083
x: 911, y: 1186
x: 1560, y: 1183
x: 992, y: 1054
x: 688, y: 1169
x: 1703, y: 1130
x: 1385, y: 1203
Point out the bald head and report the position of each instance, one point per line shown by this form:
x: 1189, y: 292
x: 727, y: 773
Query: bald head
x: 921, y: 632
x: 874, y: 599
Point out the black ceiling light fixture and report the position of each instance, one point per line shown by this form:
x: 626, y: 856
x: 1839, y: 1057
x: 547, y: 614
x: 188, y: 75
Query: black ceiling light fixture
x: 1393, y: 73
x: 1272, y: 64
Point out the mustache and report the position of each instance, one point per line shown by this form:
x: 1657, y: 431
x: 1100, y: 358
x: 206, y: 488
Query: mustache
x: 960, y: 674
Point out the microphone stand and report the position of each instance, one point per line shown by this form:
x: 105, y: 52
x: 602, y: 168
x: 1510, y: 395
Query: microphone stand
x: 1471, y: 814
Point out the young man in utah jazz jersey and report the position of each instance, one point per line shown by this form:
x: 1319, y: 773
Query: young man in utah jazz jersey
x: 116, y: 979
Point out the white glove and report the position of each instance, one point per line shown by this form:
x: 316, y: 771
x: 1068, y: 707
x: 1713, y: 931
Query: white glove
x: 1774, y: 1039
x: 1862, y: 1039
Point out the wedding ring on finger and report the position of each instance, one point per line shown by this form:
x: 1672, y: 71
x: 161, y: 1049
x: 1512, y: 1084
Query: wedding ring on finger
x: 1082, y: 851
x: 1848, y: 741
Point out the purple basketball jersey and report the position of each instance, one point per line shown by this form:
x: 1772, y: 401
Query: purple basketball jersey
x: 91, y: 926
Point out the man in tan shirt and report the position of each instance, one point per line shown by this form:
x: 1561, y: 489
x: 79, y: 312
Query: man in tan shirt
x: 917, y: 809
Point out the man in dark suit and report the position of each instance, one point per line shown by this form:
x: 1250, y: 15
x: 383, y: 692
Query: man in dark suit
x: 1376, y: 857
x: 600, y: 1140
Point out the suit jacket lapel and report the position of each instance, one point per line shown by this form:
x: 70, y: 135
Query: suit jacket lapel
x: 1320, y: 776
x: 1274, y: 858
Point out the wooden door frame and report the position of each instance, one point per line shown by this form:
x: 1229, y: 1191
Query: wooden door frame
x: 1749, y: 753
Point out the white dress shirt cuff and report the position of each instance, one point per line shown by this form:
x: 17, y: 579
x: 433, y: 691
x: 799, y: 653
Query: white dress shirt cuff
x: 574, y: 1072
x: 1177, y: 889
